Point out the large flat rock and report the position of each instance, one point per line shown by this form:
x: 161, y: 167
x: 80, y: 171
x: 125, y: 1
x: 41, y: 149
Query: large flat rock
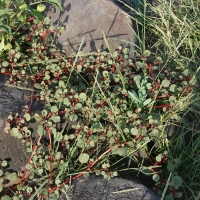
x: 88, y: 18
x: 12, y: 100
x: 97, y: 188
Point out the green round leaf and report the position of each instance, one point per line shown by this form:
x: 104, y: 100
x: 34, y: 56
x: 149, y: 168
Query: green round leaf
x: 79, y: 68
x: 147, y: 53
x: 44, y: 113
x: 29, y: 149
x: 159, y: 157
x: 130, y: 144
x: 169, y: 197
x: 54, y: 109
x: 47, y: 20
x: 4, y: 163
x: 62, y: 29
x: 170, y: 166
x: 83, y: 158
x: 3, y: 70
x: 187, y: 72
x: 40, y: 130
x: 92, y: 143
x: 62, y: 84
x: 177, y: 181
x: 1, y: 172
x: 23, y: 6
x: 106, y: 176
x: 105, y: 73
x: 86, y: 174
x: 73, y: 117
x: 29, y: 189
x: 134, y: 131
x: 155, y: 133
x: 97, y: 172
x: 166, y: 83
x: 122, y: 151
x: 156, y: 177
x: 1, y: 187
x: 125, y: 51
x: 27, y: 117
x: 179, y: 194
x: 115, y: 54
x: 47, y: 165
x: 140, y: 64
x: 5, y: 63
x: 78, y: 106
x: 15, y: 198
x: 126, y: 130
x: 57, y: 182
x: 82, y: 96
x: 119, y: 47
x: 158, y: 58
x: 55, y: 119
x: 12, y: 177
x: 58, y: 136
x: 6, y: 197
x: 110, y: 62
x: 14, y: 132
x: 29, y: 166
x: 17, y: 55
x: 173, y: 88
x: 112, y: 140
x: 41, y: 7
x: 38, y: 86
x: 47, y: 76
x: 66, y: 101
x: 115, y: 173
x: 20, y: 187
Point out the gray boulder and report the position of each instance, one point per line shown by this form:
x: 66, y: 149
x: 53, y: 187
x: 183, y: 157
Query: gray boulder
x: 97, y: 188
x: 12, y: 100
x: 88, y: 18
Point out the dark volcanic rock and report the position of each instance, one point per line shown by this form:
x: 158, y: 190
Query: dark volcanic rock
x: 97, y: 188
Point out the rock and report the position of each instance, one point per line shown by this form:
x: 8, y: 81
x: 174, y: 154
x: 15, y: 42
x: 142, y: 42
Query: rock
x: 12, y: 99
x: 86, y: 18
x: 97, y: 188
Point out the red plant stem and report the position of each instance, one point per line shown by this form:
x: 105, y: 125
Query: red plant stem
x: 29, y: 37
x: 100, y: 157
x: 25, y: 170
x: 50, y: 148
x: 149, y: 157
x: 150, y: 67
x: 162, y: 106
x: 13, y: 188
x: 81, y: 173
x: 161, y: 97
x: 162, y: 161
x: 35, y: 149
x: 15, y: 120
x: 7, y: 73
